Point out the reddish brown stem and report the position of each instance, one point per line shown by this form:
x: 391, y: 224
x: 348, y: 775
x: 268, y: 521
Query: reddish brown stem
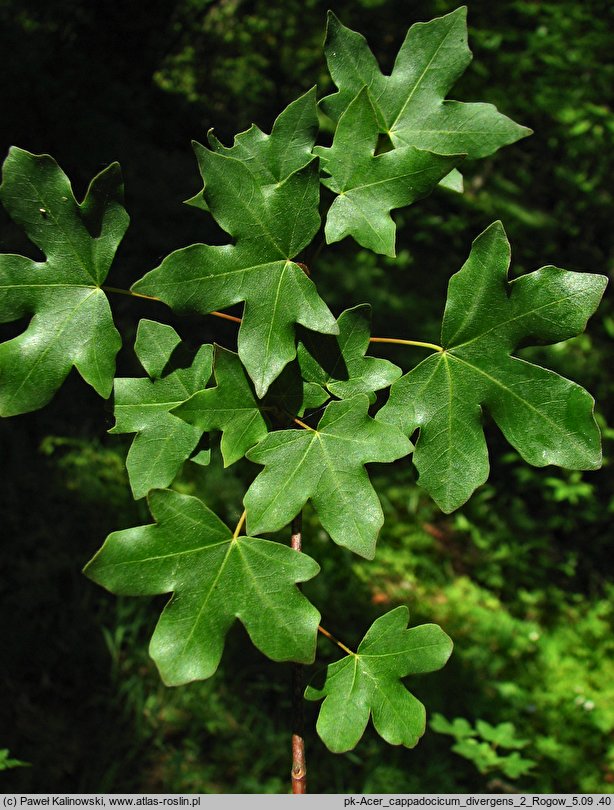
x: 217, y: 314
x: 296, y: 539
x: 299, y: 766
x: 226, y: 316
x: 335, y: 640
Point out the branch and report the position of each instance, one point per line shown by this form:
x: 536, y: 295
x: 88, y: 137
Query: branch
x: 299, y: 765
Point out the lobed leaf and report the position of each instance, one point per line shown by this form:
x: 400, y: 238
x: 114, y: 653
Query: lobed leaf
x: 143, y: 406
x: 338, y: 363
x: 71, y: 321
x: 271, y: 221
x: 273, y: 158
x: 547, y: 418
x: 410, y: 104
x: 368, y: 684
x: 325, y: 466
x: 215, y: 578
x: 369, y: 186
x: 230, y: 407
x: 459, y: 728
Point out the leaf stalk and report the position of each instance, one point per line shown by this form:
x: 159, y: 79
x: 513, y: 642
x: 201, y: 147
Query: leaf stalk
x: 237, y: 531
x: 120, y: 291
x: 303, y: 425
x: 335, y: 640
x: 403, y: 342
x: 129, y: 293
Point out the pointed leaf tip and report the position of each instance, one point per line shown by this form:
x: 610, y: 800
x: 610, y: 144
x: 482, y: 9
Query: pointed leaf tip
x: 411, y: 102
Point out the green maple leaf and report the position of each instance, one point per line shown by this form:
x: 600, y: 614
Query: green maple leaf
x: 72, y: 323
x: 273, y: 158
x: 502, y: 735
x: 230, y: 407
x: 410, y: 103
x: 272, y: 220
x: 215, y: 578
x: 368, y: 683
x: 459, y: 728
x: 514, y: 765
x: 338, y: 363
x: 143, y: 406
x: 325, y: 466
x: 547, y: 418
x: 369, y: 186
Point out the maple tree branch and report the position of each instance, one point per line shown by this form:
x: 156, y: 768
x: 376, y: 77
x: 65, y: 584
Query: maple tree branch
x: 335, y: 640
x: 296, y: 537
x: 403, y: 342
x: 299, y: 765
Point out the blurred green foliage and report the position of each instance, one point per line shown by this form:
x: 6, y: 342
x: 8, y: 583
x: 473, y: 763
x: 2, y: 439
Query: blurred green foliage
x: 486, y: 745
x: 520, y: 577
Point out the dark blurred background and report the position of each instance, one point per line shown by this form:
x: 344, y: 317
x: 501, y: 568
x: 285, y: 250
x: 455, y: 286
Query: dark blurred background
x: 520, y: 577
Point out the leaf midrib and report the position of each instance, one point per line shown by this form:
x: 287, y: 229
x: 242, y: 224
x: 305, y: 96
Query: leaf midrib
x: 349, y: 191
x: 205, y: 602
x: 255, y: 211
x: 71, y: 286
x: 297, y: 469
x: 49, y: 345
x: 272, y: 322
x: 174, y: 282
x: 400, y: 653
x: 168, y: 556
x: 502, y: 324
x: 477, y: 302
x: 332, y: 471
x: 419, y: 82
